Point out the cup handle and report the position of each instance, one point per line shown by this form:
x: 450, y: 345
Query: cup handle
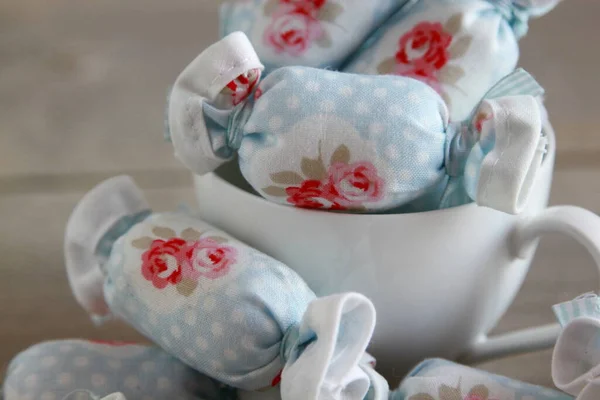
x: 578, y: 223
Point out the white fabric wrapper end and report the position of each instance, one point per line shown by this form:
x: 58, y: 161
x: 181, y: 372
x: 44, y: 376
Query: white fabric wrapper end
x: 508, y: 172
x: 200, y: 82
x: 93, y: 216
x: 575, y: 356
x: 328, y: 369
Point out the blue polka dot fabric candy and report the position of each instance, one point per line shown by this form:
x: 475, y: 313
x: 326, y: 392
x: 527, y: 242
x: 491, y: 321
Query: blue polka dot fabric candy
x: 219, y: 306
x: 320, y: 139
x: 96, y: 370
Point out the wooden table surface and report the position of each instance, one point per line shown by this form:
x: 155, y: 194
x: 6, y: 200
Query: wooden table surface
x: 82, y: 90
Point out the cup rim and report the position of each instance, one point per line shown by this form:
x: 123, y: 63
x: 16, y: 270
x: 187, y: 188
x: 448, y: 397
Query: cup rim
x: 548, y: 160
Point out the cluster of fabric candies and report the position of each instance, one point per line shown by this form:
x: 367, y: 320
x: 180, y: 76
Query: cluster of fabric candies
x: 367, y: 106
x: 228, y: 322
x: 426, y: 110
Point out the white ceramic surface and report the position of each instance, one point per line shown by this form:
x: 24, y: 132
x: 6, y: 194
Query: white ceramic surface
x: 439, y: 280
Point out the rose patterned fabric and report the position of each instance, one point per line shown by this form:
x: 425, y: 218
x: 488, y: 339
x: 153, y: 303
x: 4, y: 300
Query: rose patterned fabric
x: 314, y: 33
x: 219, y: 306
x: 576, y: 358
x: 459, y: 48
x: 335, y: 141
x: 443, y: 380
x: 91, y: 370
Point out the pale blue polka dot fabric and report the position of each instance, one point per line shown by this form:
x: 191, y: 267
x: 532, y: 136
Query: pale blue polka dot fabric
x: 218, y: 305
x: 327, y: 140
x: 85, y: 370
x: 440, y: 379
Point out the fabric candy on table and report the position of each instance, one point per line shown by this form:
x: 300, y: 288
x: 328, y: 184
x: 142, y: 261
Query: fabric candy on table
x: 216, y: 304
x: 321, y: 139
x: 576, y: 358
x: 459, y: 48
x: 88, y: 370
x: 444, y: 380
x: 314, y: 33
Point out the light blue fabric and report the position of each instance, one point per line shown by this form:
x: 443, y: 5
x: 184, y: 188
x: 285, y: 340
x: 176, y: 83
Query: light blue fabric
x: 352, y: 23
x: 218, y: 318
x: 221, y: 307
x: 322, y: 139
x: 474, y: 45
x: 76, y: 369
x: 438, y: 379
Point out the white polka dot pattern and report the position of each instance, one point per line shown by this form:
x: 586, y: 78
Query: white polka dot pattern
x: 51, y: 372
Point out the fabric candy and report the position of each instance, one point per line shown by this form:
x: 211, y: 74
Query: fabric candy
x: 460, y: 48
x: 314, y: 33
x: 321, y: 139
x: 87, y: 370
x: 220, y: 306
x: 576, y: 358
x: 443, y: 380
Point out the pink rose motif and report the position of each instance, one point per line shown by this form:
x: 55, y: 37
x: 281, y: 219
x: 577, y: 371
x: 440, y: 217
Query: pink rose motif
x: 241, y: 87
x: 423, y: 50
x: 311, y: 194
x: 162, y: 263
x: 208, y: 258
x: 293, y: 30
x: 354, y: 184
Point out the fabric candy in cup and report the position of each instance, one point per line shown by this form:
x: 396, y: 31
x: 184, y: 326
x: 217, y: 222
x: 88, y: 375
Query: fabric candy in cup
x: 459, y: 48
x: 223, y: 308
x: 88, y: 370
x: 314, y: 33
x: 443, y: 380
x: 327, y: 140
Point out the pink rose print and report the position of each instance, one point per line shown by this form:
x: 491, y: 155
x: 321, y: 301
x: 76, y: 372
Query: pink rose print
x: 354, y: 184
x: 293, y: 29
x: 312, y: 194
x: 162, y: 263
x: 242, y: 86
x: 423, y: 51
x: 208, y: 258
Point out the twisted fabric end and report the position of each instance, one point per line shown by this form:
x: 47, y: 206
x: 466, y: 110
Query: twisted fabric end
x: 332, y: 340
x: 94, y: 225
x: 502, y: 167
x: 230, y: 65
x: 518, y: 12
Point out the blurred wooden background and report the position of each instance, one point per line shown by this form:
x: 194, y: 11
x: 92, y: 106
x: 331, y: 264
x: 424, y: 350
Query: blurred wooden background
x: 82, y: 91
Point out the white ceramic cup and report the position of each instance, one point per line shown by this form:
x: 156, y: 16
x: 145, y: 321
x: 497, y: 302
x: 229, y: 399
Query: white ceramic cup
x: 440, y: 280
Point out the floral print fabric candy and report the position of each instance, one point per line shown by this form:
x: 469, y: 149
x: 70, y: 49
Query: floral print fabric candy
x: 459, y: 48
x: 316, y: 33
x: 335, y: 141
x: 437, y: 379
x: 215, y: 304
